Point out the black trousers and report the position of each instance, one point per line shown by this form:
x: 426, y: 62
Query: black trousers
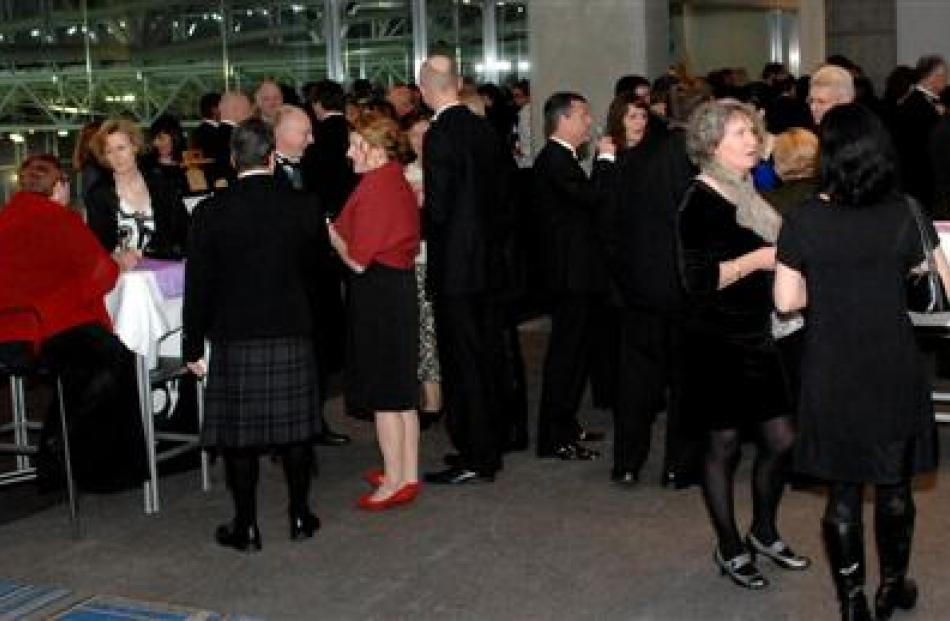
x: 648, y: 378
x: 467, y: 333
x: 510, y: 385
x: 102, y: 411
x: 566, y: 370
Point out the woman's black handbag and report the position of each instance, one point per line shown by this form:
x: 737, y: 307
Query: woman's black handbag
x: 925, y: 292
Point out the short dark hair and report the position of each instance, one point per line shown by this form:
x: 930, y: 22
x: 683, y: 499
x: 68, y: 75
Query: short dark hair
x: 927, y: 65
x: 329, y: 94
x: 558, y: 105
x: 40, y: 184
x: 630, y: 84
x: 207, y: 104
x: 857, y: 157
x: 252, y: 143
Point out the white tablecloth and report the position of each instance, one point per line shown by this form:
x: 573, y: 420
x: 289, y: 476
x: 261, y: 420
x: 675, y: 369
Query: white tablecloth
x: 141, y: 315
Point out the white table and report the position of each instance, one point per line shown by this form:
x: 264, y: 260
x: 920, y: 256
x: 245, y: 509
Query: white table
x: 141, y: 316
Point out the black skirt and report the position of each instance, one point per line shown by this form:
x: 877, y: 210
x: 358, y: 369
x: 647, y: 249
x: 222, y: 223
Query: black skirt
x: 261, y: 392
x: 382, y: 340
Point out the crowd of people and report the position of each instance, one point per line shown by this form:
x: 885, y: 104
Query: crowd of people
x: 399, y: 239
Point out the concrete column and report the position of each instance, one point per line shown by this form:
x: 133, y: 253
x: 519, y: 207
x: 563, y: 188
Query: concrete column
x: 585, y: 45
x: 864, y: 31
x: 922, y: 28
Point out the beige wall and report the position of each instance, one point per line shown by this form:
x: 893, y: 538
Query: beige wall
x: 713, y: 39
x: 923, y: 27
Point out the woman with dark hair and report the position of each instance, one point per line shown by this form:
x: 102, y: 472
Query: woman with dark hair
x: 865, y: 413
x: 165, y: 156
x: 732, y: 369
x: 377, y: 236
x: 628, y: 119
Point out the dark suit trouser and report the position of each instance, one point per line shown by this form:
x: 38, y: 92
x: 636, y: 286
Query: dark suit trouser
x: 566, y: 369
x: 466, y: 333
x: 648, y: 378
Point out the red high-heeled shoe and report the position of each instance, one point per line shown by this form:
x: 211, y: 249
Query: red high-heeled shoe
x: 405, y: 494
x: 374, y: 476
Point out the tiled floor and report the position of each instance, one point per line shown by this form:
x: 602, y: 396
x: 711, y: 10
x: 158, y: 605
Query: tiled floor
x: 548, y: 540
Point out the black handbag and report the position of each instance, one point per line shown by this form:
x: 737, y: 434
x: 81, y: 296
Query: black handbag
x: 925, y: 292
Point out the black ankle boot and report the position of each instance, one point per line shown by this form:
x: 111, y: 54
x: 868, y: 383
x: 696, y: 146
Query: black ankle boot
x: 303, y: 524
x: 894, y: 534
x: 845, y: 544
x: 242, y: 538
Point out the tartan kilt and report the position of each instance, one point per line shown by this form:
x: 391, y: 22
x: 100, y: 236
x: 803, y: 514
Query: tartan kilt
x: 261, y: 392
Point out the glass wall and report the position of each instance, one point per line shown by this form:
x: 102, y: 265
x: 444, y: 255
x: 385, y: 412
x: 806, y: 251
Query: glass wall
x: 64, y: 62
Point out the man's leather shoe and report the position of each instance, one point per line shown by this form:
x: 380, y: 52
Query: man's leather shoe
x: 626, y: 478
x: 571, y: 451
x: 332, y: 438
x: 244, y: 539
x: 303, y: 526
x: 677, y: 479
x: 585, y: 435
x: 458, y: 476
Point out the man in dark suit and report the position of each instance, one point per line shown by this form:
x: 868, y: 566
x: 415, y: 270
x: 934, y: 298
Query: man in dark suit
x: 575, y: 275
x: 206, y: 136
x: 917, y: 117
x: 463, y: 168
x: 326, y: 167
x: 234, y: 107
x: 292, y: 135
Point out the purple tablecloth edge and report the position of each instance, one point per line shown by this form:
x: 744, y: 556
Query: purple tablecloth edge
x: 170, y: 275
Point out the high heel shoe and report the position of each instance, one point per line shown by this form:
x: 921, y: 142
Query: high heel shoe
x: 741, y: 569
x: 406, y: 493
x: 374, y: 476
x: 779, y: 552
x: 303, y: 526
x: 243, y: 539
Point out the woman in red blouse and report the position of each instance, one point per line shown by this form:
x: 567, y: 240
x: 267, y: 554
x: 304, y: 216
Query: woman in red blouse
x: 377, y: 236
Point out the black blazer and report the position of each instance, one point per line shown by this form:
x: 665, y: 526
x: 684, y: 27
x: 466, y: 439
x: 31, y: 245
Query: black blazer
x: 639, y: 221
x: 916, y: 120
x: 207, y: 137
x: 465, y: 209
x: 171, y: 218
x: 567, y: 203
x: 326, y: 169
x: 252, y: 252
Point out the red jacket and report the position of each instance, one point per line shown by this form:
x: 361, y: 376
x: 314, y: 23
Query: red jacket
x: 53, y: 272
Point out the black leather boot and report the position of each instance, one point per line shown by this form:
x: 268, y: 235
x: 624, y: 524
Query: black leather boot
x: 845, y: 545
x: 894, y: 534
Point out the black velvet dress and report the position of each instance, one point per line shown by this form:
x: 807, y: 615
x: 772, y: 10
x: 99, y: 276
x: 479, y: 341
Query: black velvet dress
x: 732, y: 370
x: 865, y: 413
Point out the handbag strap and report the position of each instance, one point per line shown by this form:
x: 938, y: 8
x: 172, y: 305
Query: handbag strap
x: 922, y: 231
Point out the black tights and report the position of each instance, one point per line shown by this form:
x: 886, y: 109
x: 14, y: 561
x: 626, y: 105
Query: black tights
x: 768, y: 480
x: 890, y: 501
x: 242, y: 470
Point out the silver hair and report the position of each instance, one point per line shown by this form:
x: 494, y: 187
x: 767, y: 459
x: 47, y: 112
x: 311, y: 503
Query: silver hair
x: 835, y: 79
x: 707, y: 127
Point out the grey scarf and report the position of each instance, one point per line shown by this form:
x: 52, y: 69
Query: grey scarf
x: 752, y: 212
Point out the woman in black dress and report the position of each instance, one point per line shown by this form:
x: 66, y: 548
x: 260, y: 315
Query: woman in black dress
x: 865, y: 414
x: 733, y: 376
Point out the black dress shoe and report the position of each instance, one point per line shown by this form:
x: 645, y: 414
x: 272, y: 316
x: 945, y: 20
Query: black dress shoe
x: 626, y: 478
x: 585, y: 435
x: 571, y: 451
x: 332, y: 438
x: 677, y: 479
x: 245, y: 539
x: 458, y: 476
x: 303, y: 526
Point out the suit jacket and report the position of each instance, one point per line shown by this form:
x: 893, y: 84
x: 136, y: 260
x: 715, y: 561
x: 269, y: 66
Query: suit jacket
x: 171, y: 217
x: 567, y: 203
x: 326, y: 168
x: 252, y: 254
x: 940, y: 156
x: 639, y: 223
x: 207, y: 137
x: 916, y: 119
x: 465, y: 204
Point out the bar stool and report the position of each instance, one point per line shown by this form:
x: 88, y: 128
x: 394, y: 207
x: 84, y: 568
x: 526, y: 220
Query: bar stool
x: 18, y: 361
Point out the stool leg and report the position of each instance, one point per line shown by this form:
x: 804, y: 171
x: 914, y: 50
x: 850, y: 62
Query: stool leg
x: 67, y: 457
x: 20, y: 430
x: 148, y: 426
x: 205, y: 474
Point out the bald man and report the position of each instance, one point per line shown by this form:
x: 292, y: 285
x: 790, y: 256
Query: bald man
x: 268, y: 98
x: 292, y: 134
x: 463, y: 169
